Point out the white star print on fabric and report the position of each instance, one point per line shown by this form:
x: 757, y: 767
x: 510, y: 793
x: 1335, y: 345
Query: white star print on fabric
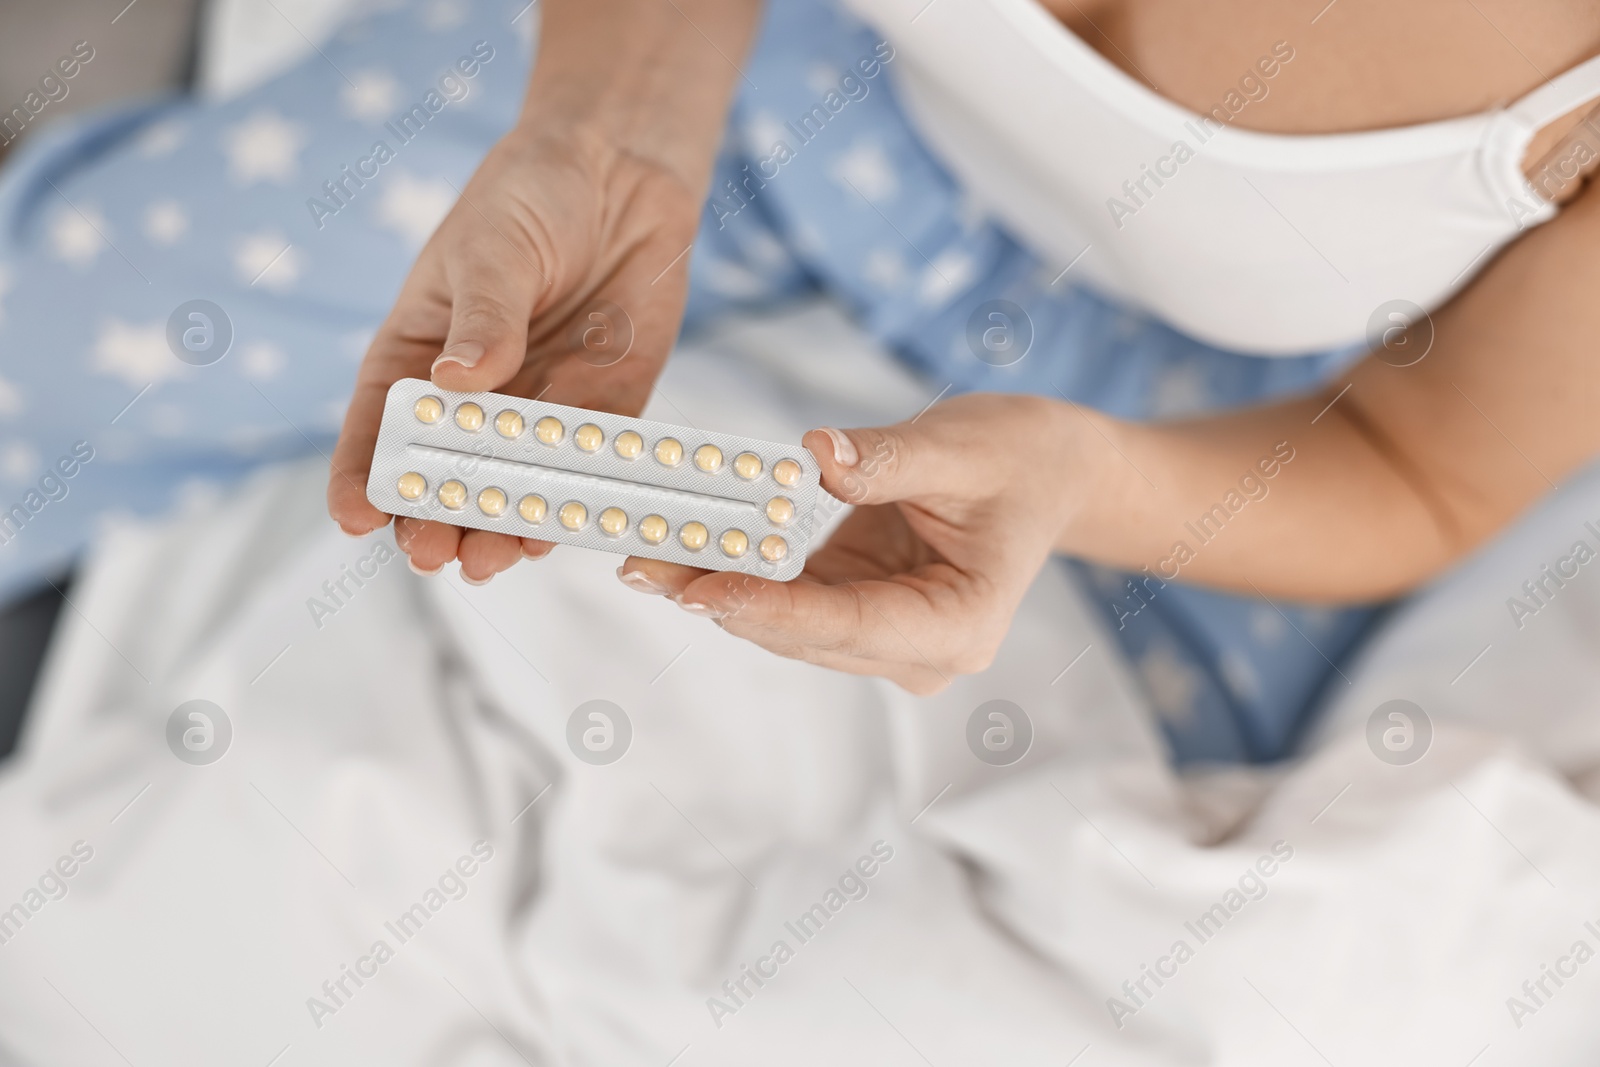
x: 262, y: 361
x: 526, y: 27
x: 1240, y: 675
x: 765, y: 250
x: 763, y: 131
x: 136, y: 353
x: 264, y: 147
x: 75, y: 235
x: 160, y: 138
x: 372, y: 95
x: 1267, y: 626
x: 731, y: 279
x: 444, y: 14
x: 951, y: 272
x: 19, y: 462
x: 1170, y: 682
x: 808, y: 239
x: 414, y: 207
x: 165, y: 222
x: 10, y: 399
x: 266, y: 259
x: 1181, y: 390
x: 866, y: 167
x: 822, y: 78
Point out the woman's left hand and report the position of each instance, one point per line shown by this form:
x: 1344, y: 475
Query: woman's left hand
x: 955, y: 513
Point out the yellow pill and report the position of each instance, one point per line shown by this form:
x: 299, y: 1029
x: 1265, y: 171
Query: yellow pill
x: 708, y: 458
x: 428, y: 409
x: 573, y: 515
x: 588, y: 437
x: 613, y: 521
x: 452, y: 494
x: 734, y: 543
x: 780, y: 511
x: 549, y: 430
x: 508, y: 424
x: 786, y: 472
x: 532, y: 507
x: 653, y: 529
x: 412, y: 485
x: 773, y: 548
x: 492, y: 502
x: 469, y: 417
x: 693, y: 536
x: 669, y: 452
x: 629, y: 444
x: 747, y: 465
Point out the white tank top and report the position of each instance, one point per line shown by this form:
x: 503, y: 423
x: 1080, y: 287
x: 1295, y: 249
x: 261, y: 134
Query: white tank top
x: 1261, y: 243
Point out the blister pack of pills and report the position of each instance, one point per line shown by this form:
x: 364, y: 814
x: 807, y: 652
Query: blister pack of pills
x: 534, y: 469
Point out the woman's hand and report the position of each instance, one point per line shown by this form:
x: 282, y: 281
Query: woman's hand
x: 955, y: 513
x: 562, y: 271
x: 552, y: 276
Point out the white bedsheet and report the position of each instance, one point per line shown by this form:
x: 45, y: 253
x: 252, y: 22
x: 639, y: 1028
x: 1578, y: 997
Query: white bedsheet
x: 371, y: 753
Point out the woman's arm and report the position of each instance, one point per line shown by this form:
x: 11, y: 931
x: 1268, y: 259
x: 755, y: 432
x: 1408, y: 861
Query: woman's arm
x: 1404, y: 473
x: 1339, y: 497
x: 647, y: 76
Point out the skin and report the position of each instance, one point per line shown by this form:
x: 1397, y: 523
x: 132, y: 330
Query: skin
x: 1392, y: 481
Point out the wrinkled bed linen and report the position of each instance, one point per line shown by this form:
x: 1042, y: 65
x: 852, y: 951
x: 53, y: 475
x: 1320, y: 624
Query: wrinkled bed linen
x: 424, y: 718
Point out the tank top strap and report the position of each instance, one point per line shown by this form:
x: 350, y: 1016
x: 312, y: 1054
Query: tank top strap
x: 1566, y: 91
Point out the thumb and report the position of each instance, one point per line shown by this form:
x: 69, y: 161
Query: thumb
x: 488, y: 339
x: 880, y: 465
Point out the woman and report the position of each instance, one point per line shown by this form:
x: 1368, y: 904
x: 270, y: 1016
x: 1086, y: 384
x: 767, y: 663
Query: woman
x: 1380, y: 480
x: 960, y: 177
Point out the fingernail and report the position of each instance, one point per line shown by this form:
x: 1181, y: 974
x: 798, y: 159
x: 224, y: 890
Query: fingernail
x: 641, y: 582
x: 418, y: 570
x: 537, y: 553
x: 466, y: 353
x: 705, y: 611
x: 355, y: 536
x: 844, y: 450
x: 475, y: 581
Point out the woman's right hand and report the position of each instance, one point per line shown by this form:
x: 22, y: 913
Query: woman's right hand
x: 560, y: 273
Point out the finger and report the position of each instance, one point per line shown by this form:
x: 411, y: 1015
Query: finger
x: 484, y: 554
x: 428, y: 545
x: 898, y: 621
x: 889, y: 463
x: 533, y: 548
x: 492, y: 300
x: 352, y: 461
x: 657, y: 577
x: 914, y: 678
